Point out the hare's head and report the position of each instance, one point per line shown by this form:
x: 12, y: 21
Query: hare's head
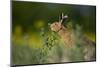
x: 56, y: 26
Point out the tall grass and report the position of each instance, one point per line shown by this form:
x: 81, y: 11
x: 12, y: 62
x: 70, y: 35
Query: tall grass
x: 53, y: 49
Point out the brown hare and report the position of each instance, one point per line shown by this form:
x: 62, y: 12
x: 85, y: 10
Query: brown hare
x: 67, y: 35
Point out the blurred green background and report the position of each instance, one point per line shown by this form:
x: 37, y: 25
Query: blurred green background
x: 28, y: 18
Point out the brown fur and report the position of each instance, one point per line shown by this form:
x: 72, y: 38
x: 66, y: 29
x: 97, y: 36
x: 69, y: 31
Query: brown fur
x: 68, y: 37
x: 65, y: 33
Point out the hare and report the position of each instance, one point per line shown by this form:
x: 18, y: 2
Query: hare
x: 65, y: 34
x: 69, y: 38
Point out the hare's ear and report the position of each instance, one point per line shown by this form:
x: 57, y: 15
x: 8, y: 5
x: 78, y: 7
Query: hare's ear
x: 64, y: 17
x: 60, y: 17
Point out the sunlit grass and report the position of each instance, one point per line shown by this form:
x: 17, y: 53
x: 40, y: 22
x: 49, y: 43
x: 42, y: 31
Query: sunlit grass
x: 38, y: 24
x: 91, y: 36
x: 35, y: 41
x: 36, y: 47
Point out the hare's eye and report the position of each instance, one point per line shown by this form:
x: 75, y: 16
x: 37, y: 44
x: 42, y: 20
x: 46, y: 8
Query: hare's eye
x: 55, y: 24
